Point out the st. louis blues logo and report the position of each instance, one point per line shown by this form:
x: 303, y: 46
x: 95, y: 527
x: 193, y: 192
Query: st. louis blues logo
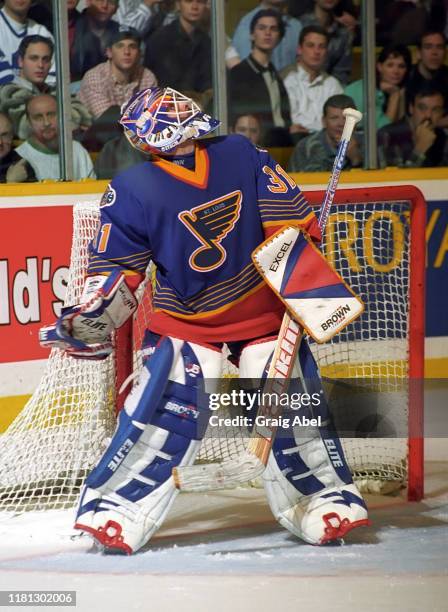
x: 210, y: 223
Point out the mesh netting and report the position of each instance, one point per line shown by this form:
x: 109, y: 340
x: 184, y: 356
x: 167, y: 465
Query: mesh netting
x: 369, y: 243
x: 48, y: 450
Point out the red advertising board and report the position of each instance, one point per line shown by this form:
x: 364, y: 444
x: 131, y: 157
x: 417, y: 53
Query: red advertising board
x: 34, y: 260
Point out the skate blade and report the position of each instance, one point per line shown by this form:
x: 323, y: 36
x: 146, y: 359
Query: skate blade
x: 337, y: 530
x: 111, y: 543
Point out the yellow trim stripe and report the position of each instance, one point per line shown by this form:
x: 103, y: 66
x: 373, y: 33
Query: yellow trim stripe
x: 211, y: 313
x: 215, y: 288
x: 232, y: 287
x: 130, y: 261
x: 104, y: 263
x: 295, y: 222
x: 244, y: 285
x: 140, y: 253
x: 107, y: 265
x: 279, y: 202
x: 212, y: 300
x: 282, y: 206
x: 171, y: 306
x: 222, y: 286
x: 296, y: 210
x: 279, y: 215
x: 102, y: 266
x: 297, y: 196
x: 223, y: 290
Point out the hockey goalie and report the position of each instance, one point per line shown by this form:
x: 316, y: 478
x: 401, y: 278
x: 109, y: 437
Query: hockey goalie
x: 197, y: 209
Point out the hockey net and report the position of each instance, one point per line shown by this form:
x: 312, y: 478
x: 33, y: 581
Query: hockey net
x: 375, y: 237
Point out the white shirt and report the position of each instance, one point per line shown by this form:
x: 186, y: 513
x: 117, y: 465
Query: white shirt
x: 11, y: 35
x: 46, y: 165
x: 307, y: 98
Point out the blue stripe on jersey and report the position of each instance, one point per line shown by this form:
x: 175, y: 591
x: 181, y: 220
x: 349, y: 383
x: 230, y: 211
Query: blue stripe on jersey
x: 273, y: 210
x: 212, y: 299
x: 128, y: 260
x: 220, y: 288
x: 107, y: 266
x: 137, y: 262
x: 296, y: 198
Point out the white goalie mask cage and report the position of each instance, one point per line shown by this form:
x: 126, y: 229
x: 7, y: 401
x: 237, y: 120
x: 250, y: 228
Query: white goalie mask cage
x: 157, y: 120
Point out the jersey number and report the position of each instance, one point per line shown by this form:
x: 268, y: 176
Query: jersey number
x: 103, y: 237
x: 277, y: 184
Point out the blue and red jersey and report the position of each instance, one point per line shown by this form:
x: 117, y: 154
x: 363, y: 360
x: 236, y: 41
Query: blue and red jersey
x: 199, y: 227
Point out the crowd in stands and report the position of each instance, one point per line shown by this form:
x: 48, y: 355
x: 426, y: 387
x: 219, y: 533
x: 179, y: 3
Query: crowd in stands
x: 290, y: 74
x: 254, y: 84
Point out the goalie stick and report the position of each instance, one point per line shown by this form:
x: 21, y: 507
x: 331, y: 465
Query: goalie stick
x: 252, y: 462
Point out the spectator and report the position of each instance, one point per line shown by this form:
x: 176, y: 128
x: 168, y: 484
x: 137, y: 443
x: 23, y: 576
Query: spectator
x: 339, y: 57
x: 255, y: 85
x: 230, y: 54
x: 393, y: 67
x: 35, y: 55
x: 308, y: 85
x: 117, y: 155
x: 112, y: 83
x: 430, y: 68
x: 93, y: 31
x: 400, y: 21
x: 285, y: 53
x: 180, y: 53
x: 8, y: 156
x: 42, y: 12
x: 415, y: 141
x: 249, y: 126
x: 14, y: 25
x: 145, y: 16
x: 72, y: 15
x: 345, y: 11
x: 317, y: 152
x: 34, y: 60
x: 41, y: 148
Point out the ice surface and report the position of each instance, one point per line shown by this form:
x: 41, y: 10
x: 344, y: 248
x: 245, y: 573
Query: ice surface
x: 224, y: 552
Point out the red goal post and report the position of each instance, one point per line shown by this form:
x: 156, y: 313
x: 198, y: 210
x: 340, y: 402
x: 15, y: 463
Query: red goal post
x: 416, y: 341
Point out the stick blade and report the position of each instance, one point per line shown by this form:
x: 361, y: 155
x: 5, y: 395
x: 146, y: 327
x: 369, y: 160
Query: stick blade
x: 226, y: 475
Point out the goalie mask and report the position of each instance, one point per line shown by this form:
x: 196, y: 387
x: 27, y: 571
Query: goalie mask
x: 157, y: 120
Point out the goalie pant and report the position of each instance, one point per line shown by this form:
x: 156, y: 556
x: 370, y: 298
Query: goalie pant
x: 128, y: 495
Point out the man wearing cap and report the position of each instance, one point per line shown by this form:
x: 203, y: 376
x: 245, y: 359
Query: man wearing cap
x: 113, y: 82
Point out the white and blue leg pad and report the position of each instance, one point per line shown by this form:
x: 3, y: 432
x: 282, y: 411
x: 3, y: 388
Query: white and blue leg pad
x: 307, y: 480
x: 129, y: 493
